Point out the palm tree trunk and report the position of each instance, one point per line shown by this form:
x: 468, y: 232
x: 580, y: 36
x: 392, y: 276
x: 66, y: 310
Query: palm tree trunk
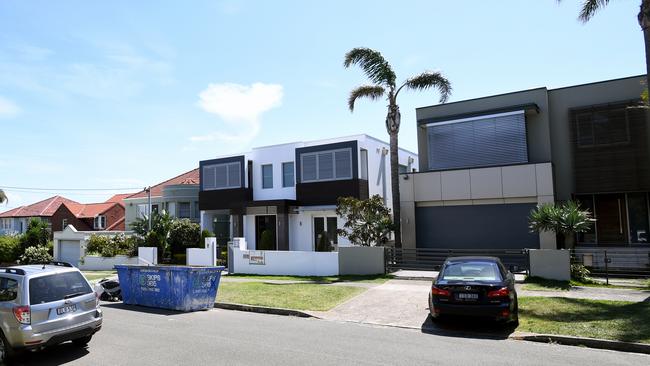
x: 393, y: 121
x: 644, y: 22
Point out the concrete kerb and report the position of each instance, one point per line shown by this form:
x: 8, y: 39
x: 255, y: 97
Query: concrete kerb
x: 263, y: 310
x: 585, y: 342
x: 531, y: 337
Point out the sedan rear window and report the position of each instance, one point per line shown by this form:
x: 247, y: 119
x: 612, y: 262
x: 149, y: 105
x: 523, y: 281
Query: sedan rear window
x: 57, y: 287
x: 471, y: 271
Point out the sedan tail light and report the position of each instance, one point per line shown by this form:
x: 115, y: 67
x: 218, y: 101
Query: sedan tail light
x: 438, y: 291
x: 502, y: 292
x: 23, y: 314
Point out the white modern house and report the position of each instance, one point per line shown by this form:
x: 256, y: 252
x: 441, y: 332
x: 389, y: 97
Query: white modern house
x: 283, y: 197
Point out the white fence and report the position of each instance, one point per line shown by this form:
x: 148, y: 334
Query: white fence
x: 203, y: 257
x: 293, y: 263
x: 97, y: 263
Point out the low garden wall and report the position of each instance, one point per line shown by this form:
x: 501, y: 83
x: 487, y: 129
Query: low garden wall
x: 550, y: 264
x: 361, y: 260
x: 98, y: 263
x: 294, y: 263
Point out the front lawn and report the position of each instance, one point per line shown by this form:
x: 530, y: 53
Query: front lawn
x: 289, y: 296
x: 325, y: 279
x: 615, y: 320
x: 98, y: 275
x: 541, y: 284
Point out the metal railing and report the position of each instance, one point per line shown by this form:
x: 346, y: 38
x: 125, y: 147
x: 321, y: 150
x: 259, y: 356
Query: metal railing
x: 614, y: 262
x: 429, y: 259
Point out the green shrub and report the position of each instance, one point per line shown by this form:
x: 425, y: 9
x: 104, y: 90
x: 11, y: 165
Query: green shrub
x: 324, y: 244
x: 111, y: 246
x: 96, y: 244
x: 205, y: 233
x: 179, y: 259
x: 9, y: 249
x: 37, y: 234
x: 580, y: 273
x: 36, y: 255
x: 184, y: 234
x: 266, y: 240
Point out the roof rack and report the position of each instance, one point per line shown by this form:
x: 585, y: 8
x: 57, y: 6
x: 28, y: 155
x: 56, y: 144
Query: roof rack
x: 61, y: 264
x: 10, y: 270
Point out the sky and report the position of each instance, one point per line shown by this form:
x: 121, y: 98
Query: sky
x: 114, y: 96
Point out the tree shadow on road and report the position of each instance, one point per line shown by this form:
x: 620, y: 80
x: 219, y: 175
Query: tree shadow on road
x: 467, y: 327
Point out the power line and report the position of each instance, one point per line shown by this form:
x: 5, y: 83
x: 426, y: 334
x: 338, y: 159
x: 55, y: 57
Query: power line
x: 28, y: 189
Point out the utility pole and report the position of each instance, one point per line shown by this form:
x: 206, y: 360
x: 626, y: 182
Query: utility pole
x: 148, y: 190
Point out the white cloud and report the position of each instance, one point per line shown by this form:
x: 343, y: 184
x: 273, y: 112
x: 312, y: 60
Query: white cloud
x: 240, y: 106
x: 8, y: 108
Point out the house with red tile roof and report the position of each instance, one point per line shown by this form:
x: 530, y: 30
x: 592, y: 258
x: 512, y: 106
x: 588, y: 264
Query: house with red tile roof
x: 178, y: 195
x: 60, y: 212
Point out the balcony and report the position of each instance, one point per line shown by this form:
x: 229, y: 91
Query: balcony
x: 220, y: 199
x: 328, y: 192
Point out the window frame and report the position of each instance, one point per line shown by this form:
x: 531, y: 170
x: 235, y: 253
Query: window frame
x: 262, y: 167
x: 333, y: 153
x: 3, y: 282
x: 591, y: 112
x: 227, y: 166
x: 189, y: 210
x: 99, y: 222
x: 64, y: 224
x: 293, y: 175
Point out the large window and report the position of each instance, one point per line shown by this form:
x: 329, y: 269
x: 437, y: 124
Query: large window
x: 184, y: 210
x: 326, y: 165
x: 287, y: 174
x: 602, y: 127
x: 222, y: 176
x: 267, y: 176
x: 497, y: 139
x: 638, y: 217
x: 100, y: 222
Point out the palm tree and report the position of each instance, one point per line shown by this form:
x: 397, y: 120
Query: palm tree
x: 3, y: 197
x: 590, y: 7
x: 382, y: 76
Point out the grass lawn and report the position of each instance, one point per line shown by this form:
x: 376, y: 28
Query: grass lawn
x: 615, y: 320
x: 290, y: 296
x: 98, y: 275
x: 540, y: 284
x: 327, y: 279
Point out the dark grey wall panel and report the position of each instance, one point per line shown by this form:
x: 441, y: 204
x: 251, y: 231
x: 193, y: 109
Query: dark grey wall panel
x: 475, y: 227
x: 483, y: 142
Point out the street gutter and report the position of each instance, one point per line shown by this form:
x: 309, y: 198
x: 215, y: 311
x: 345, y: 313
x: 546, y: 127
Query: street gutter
x: 518, y: 336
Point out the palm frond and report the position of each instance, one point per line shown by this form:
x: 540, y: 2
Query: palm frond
x: 373, y: 64
x: 3, y: 197
x: 373, y: 92
x: 428, y: 80
x: 590, y: 7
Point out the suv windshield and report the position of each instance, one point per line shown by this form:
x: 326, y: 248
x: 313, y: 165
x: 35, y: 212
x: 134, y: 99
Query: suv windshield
x: 56, y: 287
x: 471, y: 271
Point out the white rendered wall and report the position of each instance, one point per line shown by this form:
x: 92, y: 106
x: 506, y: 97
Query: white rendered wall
x: 294, y: 263
x: 274, y: 155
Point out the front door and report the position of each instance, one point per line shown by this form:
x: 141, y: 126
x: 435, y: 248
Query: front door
x: 221, y: 227
x: 265, y: 233
x: 611, y: 219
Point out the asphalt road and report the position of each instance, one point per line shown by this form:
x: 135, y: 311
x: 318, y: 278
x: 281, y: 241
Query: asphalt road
x: 140, y: 336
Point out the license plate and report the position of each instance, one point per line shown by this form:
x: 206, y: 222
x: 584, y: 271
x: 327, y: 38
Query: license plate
x: 66, y: 309
x: 466, y: 296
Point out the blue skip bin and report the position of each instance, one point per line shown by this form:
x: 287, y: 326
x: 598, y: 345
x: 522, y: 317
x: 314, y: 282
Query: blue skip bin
x: 180, y: 288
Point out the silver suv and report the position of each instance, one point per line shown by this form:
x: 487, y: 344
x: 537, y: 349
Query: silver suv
x: 43, y: 305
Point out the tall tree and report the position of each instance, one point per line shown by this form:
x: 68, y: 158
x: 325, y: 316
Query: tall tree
x: 383, y: 80
x: 591, y: 7
x: 3, y: 197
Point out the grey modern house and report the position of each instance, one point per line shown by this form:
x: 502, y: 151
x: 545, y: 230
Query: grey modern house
x: 485, y: 163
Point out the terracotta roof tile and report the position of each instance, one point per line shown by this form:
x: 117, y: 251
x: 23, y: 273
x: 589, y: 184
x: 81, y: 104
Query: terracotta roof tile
x: 191, y: 177
x: 118, y: 198
x: 44, y: 208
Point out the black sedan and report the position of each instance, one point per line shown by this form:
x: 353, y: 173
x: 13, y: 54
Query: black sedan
x: 474, y: 286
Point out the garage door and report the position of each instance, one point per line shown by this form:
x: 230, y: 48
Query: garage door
x: 69, y: 251
x: 475, y: 227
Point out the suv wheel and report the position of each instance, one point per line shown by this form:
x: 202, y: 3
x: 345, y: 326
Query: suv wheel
x: 81, y: 342
x: 5, y: 349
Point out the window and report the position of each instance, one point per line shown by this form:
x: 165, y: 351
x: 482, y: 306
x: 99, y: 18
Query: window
x: 637, y: 206
x: 184, y: 210
x: 56, y: 287
x: 142, y: 210
x: 497, y: 139
x: 364, y: 164
x: 100, y: 222
x: 402, y: 169
x: 326, y: 165
x: 64, y: 223
x: 222, y: 176
x: 197, y: 214
x: 602, y: 127
x: 8, y: 289
x: 325, y: 226
x: 287, y: 174
x: 267, y: 176
x: 471, y: 271
x: 154, y: 208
